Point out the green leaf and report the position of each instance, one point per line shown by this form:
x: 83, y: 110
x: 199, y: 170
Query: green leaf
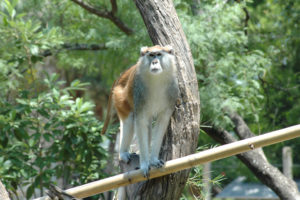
x: 8, y: 7
x: 47, y: 137
x: 24, y: 173
x: 31, y: 142
x: 70, y: 126
x: 55, y: 93
x: 75, y: 83
x: 43, y: 112
x: 13, y: 13
x: 5, y: 21
x: 78, y: 103
x: 7, y: 164
x: 22, y: 101
x: 29, y: 191
x: 12, y: 114
x: 86, y: 107
x: 34, y: 49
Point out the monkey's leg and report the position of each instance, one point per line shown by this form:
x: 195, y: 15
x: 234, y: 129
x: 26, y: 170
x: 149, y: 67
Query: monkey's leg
x: 141, y: 129
x: 126, y: 134
x: 158, y: 133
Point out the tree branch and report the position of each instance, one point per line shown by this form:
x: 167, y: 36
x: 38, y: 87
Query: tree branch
x: 247, y: 17
x: 79, y: 47
x: 93, y: 47
x: 101, y: 13
x: 114, y: 7
x: 241, y: 128
x: 106, y: 14
x: 256, y: 161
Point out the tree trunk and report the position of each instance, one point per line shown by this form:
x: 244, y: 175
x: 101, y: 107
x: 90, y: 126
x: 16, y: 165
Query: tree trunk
x: 256, y: 160
x: 3, y: 193
x: 181, y: 138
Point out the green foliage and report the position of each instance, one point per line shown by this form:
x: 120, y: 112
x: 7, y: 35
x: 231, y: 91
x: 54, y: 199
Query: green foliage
x: 227, y: 70
x: 51, y: 134
x: 22, y: 41
x: 255, y: 74
x: 276, y: 32
x: 80, y: 26
x: 274, y: 29
x: 46, y: 132
x: 195, y: 184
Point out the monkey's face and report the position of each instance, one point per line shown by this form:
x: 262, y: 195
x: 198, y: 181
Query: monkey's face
x: 157, y: 59
x: 155, y: 62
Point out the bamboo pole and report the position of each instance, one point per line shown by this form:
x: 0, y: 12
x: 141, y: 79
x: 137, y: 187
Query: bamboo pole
x: 186, y: 162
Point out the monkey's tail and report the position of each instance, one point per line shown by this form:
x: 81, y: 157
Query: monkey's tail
x: 109, y: 110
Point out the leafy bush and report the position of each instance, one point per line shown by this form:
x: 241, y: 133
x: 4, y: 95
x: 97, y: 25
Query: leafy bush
x: 46, y: 133
x: 49, y: 135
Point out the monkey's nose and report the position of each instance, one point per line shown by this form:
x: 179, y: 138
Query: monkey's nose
x: 154, y: 62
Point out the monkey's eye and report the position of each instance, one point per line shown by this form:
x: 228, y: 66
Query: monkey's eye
x: 151, y: 55
x: 158, y: 54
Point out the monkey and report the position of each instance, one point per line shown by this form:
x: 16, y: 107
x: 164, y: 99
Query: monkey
x: 145, y: 92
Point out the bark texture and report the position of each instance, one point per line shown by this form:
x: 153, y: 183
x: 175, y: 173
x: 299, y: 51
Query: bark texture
x: 181, y: 138
x: 256, y: 160
x: 3, y: 193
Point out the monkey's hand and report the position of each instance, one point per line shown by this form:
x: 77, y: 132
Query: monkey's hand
x: 157, y: 163
x: 125, y: 156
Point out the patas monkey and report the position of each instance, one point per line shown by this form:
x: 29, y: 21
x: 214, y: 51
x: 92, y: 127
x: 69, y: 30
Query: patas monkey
x: 145, y: 92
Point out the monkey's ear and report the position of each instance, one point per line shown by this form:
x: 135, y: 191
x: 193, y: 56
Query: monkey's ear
x: 144, y: 50
x: 169, y: 49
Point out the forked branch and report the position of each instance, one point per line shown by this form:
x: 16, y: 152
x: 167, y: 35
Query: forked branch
x: 104, y: 13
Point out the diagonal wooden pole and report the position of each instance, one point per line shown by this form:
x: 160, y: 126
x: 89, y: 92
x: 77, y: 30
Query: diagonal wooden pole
x: 186, y: 162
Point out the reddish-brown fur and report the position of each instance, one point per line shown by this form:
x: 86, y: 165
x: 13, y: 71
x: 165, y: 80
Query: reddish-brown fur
x: 149, y: 49
x: 121, y: 96
x: 123, y: 93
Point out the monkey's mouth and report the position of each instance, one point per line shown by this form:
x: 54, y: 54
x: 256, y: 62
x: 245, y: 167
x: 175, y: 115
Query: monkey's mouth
x: 155, y: 70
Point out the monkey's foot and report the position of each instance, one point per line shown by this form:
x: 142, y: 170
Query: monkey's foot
x: 145, y: 168
x: 125, y: 157
x: 157, y: 163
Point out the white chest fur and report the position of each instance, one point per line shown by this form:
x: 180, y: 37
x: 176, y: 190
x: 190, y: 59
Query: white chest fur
x: 157, y: 92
